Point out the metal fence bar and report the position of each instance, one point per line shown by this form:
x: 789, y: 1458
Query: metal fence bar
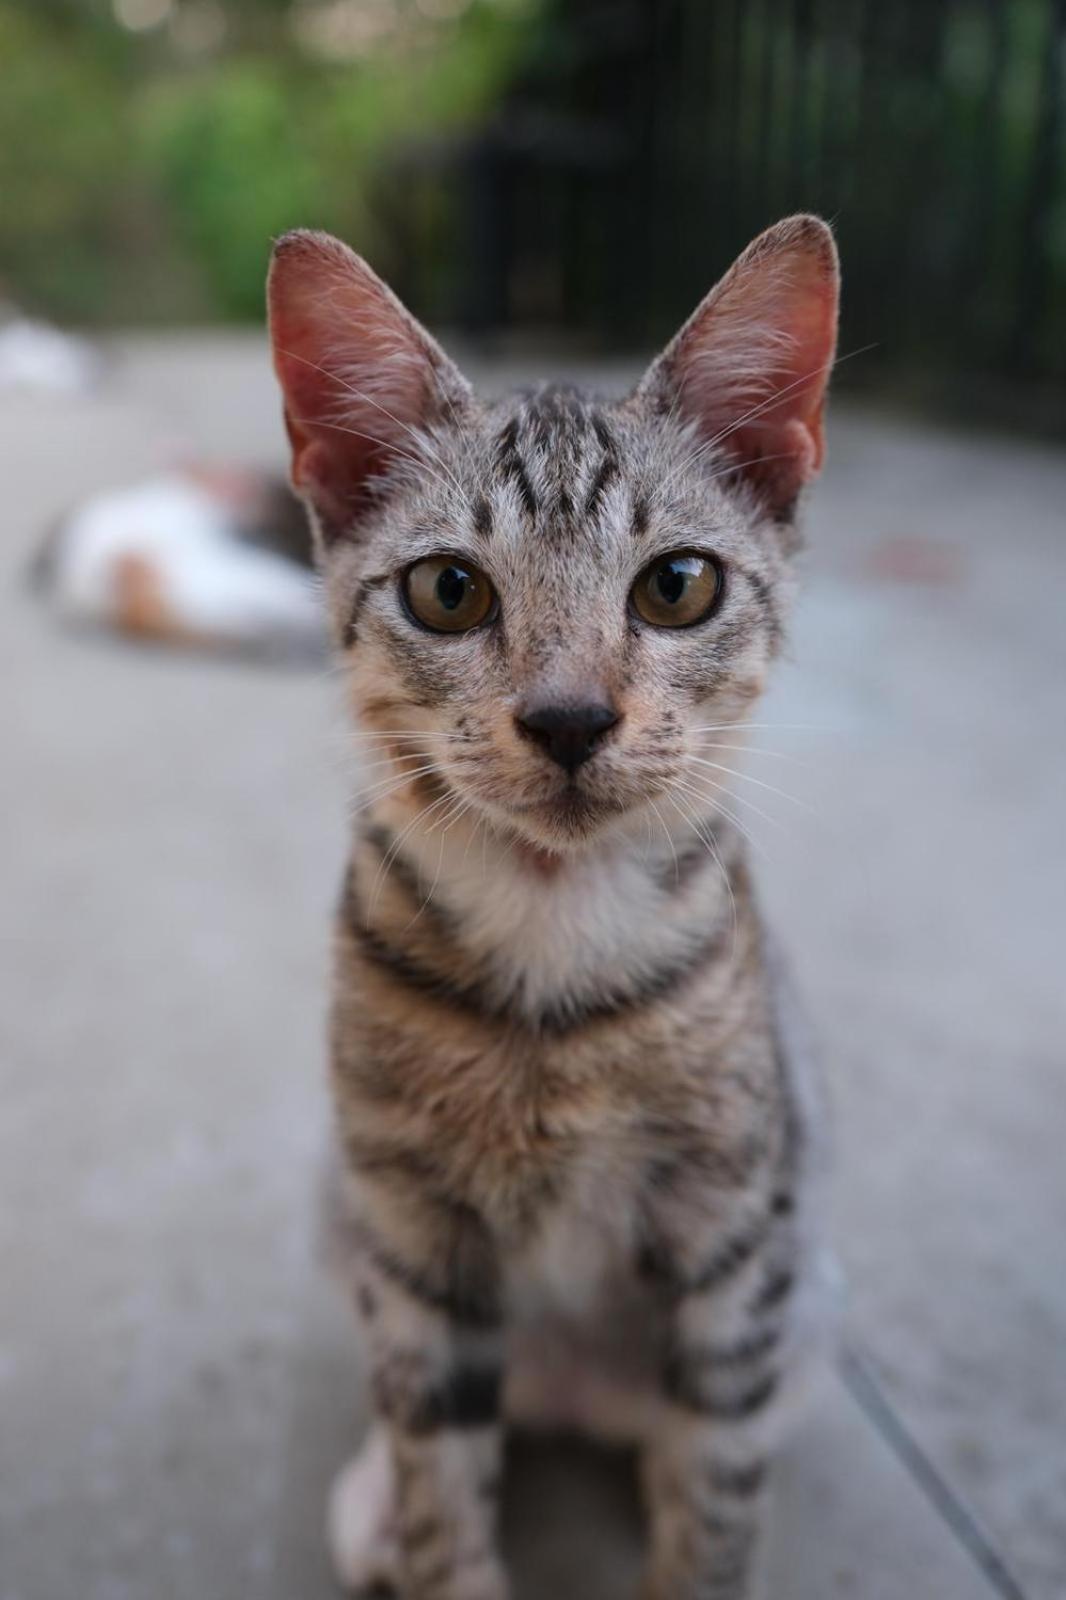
x: 933, y: 132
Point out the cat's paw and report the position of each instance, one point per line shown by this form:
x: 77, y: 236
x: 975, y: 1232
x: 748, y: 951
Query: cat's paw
x: 360, y: 1523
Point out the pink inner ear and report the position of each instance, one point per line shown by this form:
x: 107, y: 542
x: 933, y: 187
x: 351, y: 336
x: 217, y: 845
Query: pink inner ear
x: 752, y: 365
x: 356, y: 372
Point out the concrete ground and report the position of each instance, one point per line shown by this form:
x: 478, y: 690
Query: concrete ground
x: 177, y: 1378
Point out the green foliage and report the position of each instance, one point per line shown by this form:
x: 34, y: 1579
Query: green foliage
x: 62, y: 139
x: 136, y: 183
x: 258, y: 146
x: 233, y: 157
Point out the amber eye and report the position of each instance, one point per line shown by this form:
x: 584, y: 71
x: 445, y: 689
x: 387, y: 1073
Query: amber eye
x: 447, y: 594
x: 677, y: 590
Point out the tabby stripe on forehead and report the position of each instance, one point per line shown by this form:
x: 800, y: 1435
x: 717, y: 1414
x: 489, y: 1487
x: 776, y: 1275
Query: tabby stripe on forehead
x: 513, y: 467
x: 482, y: 517
x: 559, y: 1019
x: 607, y: 470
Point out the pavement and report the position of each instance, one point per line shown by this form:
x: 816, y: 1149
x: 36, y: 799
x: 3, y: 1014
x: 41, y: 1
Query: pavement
x: 178, y: 1378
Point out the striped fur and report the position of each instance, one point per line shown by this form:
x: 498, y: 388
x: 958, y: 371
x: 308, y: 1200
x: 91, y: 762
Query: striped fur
x: 575, y: 1131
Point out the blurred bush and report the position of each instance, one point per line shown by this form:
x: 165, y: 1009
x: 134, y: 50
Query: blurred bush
x: 64, y: 134
x: 149, y: 149
x: 578, y: 165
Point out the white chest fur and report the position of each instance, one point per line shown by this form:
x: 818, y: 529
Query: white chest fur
x: 547, y: 935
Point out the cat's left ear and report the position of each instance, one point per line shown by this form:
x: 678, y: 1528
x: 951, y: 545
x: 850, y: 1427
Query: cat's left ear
x: 360, y: 377
x: 751, y: 365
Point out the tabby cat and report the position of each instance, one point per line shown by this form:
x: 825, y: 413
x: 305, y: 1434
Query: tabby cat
x: 575, y: 1125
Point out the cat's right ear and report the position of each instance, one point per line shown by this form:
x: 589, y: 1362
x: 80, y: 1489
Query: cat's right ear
x: 360, y: 377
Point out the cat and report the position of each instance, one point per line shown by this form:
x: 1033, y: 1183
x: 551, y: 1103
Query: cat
x: 196, y: 556
x: 575, y: 1119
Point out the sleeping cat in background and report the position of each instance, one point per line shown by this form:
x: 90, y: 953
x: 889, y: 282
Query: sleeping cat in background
x: 575, y: 1125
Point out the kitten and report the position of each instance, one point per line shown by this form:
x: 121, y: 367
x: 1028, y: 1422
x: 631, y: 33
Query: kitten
x: 575, y: 1125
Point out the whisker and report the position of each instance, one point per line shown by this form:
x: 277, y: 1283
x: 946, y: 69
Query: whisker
x: 669, y: 840
x: 449, y: 819
x: 403, y: 773
x: 473, y: 835
x: 394, y: 850
x: 757, y: 411
x: 426, y: 765
x: 462, y: 432
x: 380, y: 791
x: 649, y: 838
x: 452, y: 820
x: 707, y: 839
x: 754, y: 750
x: 797, y: 383
x: 782, y: 727
x: 388, y: 761
x: 748, y: 777
x: 759, y: 750
x: 729, y: 815
x: 372, y: 438
x: 388, y: 786
x: 401, y: 733
x: 724, y: 470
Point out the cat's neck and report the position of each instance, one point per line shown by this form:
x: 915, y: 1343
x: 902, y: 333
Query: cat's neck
x: 554, y: 925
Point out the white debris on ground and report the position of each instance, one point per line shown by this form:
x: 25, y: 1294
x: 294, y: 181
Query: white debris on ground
x: 37, y: 357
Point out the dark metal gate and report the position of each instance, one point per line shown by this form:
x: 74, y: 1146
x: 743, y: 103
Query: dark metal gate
x: 647, y: 140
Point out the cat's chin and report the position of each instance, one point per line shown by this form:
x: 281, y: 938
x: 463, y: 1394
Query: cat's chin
x: 565, y: 822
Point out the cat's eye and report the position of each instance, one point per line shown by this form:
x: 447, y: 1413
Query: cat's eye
x: 448, y: 594
x: 677, y: 590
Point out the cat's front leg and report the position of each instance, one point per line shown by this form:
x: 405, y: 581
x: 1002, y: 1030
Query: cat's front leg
x: 706, y: 1461
x: 705, y: 1502
x: 432, y: 1328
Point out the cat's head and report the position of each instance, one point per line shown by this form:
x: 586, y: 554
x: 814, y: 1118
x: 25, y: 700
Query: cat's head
x: 560, y: 593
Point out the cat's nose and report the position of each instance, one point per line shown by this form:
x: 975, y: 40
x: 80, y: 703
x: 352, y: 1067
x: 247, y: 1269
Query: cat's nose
x: 568, y: 734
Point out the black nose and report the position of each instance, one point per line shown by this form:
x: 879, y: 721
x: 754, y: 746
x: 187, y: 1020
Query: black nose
x: 568, y: 734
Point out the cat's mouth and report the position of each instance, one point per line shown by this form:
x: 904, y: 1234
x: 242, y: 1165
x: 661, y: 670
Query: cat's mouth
x: 558, y: 813
x: 573, y: 803
x: 571, y: 810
